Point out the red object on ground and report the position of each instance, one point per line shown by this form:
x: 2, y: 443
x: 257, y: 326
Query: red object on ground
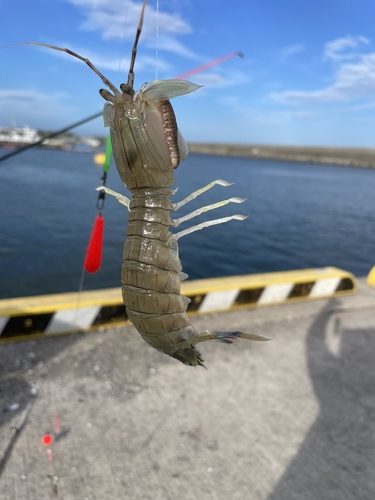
x: 47, y: 439
x: 93, y: 259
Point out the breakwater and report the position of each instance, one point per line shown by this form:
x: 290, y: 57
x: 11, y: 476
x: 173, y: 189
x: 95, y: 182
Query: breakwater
x: 353, y: 157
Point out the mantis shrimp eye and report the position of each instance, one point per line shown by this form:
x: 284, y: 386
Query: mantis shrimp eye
x: 126, y: 89
x: 107, y: 95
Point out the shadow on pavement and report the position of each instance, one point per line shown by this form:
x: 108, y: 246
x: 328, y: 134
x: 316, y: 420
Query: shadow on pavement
x: 22, y: 365
x: 336, y: 461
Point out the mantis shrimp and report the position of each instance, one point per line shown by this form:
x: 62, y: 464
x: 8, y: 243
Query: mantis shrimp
x: 147, y: 147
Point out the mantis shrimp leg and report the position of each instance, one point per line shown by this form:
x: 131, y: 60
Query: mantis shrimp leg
x: 176, y: 222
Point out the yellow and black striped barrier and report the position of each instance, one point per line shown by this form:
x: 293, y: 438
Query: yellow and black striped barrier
x: 45, y: 315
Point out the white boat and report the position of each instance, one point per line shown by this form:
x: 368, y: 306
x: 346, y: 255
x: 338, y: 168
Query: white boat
x: 19, y: 135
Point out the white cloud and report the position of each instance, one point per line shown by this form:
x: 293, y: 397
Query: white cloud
x: 117, y: 19
x: 339, y: 49
x: 360, y: 107
x: 291, y: 50
x: 30, y: 97
x: 354, y: 80
x: 272, y: 117
x: 103, y: 62
x: 30, y: 106
x: 170, y: 44
x: 221, y: 81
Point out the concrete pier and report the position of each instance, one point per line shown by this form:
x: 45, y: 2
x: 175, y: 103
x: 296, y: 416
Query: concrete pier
x: 288, y: 419
x: 350, y: 157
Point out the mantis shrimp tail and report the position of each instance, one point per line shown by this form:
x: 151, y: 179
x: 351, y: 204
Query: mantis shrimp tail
x: 189, y: 355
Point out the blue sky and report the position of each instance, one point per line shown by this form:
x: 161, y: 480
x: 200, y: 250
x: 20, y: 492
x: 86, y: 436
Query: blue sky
x: 308, y: 76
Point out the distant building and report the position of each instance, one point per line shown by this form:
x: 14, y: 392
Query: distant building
x: 92, y: 142
x: 11, y: 137
x: 19, y: 135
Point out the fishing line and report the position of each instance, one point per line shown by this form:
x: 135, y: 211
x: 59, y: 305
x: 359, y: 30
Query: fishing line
x: 94, y: 252
x: 123, y: 34
x: 157, y: 40
x: 80, y: 288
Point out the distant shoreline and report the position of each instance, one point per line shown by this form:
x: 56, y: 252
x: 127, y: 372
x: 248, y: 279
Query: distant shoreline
x: 350, y: 157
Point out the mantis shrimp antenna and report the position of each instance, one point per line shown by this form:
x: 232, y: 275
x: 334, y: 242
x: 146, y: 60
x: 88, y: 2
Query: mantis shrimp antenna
x: 74, y: 54
x: 90, y: 64
x: 134, y: 50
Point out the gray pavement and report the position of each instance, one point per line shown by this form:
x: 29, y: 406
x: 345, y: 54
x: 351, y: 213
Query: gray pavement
x: 293, y: 418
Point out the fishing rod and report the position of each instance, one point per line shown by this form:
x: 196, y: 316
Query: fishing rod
x: 49, y: 136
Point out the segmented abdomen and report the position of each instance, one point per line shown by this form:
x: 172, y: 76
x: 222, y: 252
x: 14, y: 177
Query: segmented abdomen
x: 151, y: 277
